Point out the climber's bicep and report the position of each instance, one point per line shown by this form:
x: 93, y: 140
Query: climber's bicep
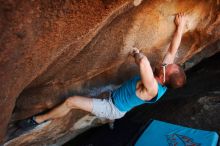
x: 147, y: 76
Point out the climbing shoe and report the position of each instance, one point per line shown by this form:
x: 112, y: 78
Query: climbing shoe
x: 27, y: 123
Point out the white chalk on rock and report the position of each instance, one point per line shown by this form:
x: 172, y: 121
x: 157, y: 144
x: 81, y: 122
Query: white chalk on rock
x: 84, y: 122
x: 137, y: 2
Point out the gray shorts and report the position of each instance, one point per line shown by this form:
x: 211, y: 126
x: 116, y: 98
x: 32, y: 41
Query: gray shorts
x: 104, y: 108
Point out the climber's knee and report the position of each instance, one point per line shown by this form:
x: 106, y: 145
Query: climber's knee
x: 71, y: 102
x: 79, y: 102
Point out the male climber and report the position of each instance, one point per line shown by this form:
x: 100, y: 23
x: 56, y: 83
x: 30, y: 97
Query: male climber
x: 146, y: 88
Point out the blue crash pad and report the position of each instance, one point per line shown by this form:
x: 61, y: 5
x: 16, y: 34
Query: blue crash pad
x: 160, y: 133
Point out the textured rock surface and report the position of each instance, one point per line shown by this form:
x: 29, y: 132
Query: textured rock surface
x: 51, y: 50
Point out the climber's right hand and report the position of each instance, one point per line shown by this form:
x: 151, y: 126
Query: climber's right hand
x: 180, y: 20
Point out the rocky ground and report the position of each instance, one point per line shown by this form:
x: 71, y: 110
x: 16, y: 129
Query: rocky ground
x: 197, y: 105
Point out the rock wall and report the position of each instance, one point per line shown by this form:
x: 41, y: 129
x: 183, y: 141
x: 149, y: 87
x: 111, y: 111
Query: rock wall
x: 54, y: 49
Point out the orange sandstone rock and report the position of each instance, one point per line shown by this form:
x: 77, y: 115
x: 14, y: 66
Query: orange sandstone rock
x: 51, y: 50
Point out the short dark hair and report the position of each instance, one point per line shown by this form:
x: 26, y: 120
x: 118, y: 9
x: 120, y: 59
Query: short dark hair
x: 176, y: 79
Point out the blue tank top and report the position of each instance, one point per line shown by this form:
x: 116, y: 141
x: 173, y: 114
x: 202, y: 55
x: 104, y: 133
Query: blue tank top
x: 125, y: 97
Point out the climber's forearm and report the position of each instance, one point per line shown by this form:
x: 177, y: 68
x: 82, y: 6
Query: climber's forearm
x: 180, y: 21
x: 175, y: 43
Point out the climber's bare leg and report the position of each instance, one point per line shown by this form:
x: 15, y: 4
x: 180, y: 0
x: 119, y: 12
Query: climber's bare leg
x: 74, y: 102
